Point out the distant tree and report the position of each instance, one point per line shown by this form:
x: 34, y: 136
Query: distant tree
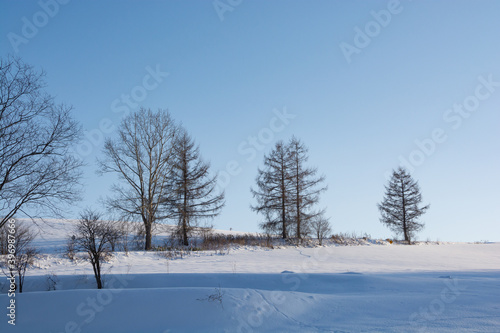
x: 400, y: 209
x: 37, y: 169
x: 320, y: 226
x: 94, y: 237
x: 306, y: 187
x: 118, y: 235
x: 192, y: 193
x: 143, y: 157
x: 275, y: 190
x: 24, y: 253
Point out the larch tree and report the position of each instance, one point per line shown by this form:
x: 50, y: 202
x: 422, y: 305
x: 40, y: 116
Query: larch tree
x: 274, y: 191
x: 401, y: 207
x: 192, y: 191
x: 142, y: 156
x: 306, y: 188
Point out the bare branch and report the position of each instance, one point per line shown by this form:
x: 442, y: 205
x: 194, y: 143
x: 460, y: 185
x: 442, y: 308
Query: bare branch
x: 37, y: 170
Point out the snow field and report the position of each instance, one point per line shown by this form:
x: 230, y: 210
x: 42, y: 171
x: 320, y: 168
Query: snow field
x: 289, y: 302
x: 366, y: 288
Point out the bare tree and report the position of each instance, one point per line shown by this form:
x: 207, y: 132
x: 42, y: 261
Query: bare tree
x: 306, y: 187
x: 274, y: 190
x: 192, y: 191
x: 94, y: 237
x: 37, y: 170
x: 118, y: 235
x: 142, y: 157
x: 320, y: 226
x: 400, y: 209
x: 21, y: 254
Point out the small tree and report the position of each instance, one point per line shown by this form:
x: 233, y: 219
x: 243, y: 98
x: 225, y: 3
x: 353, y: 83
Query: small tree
x: 400, y: 209
x: 192, y: 193
x: 118, y: 235
x: 94, y: 237
x: 24, y: 255
x: 320, y: 226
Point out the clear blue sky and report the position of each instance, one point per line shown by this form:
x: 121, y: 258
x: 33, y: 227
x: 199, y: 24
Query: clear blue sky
x: 360, y: 100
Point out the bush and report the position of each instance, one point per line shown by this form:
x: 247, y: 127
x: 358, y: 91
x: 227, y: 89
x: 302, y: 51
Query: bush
x: 52, y: 281
x: 216, y: 242
x: 70, y: 248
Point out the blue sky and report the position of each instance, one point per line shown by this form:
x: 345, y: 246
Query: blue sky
x: 422, y: 86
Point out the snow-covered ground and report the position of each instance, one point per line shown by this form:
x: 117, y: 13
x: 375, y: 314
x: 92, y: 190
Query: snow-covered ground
x: 451, y: 287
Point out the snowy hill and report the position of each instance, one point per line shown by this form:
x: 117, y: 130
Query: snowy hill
x: 371, y: 288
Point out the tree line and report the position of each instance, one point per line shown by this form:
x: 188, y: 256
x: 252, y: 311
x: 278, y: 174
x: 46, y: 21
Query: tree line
x: 161, y: 174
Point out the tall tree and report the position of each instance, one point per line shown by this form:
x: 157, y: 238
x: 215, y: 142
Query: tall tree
x: 192, y: 191
x: 274, y: 190
x: 37, y: 170
x: 400, y: 209
x: 143, y: 157
x: 306, y: 187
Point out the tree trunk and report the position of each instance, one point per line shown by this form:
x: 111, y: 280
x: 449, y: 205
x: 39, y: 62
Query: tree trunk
x: 184, y: 232
x: 283, y: 218
x: 298, y: 215
x: 97, y: 272
x: 283, y: 202
x: 98, y: 278
x: 297, y: 198
x: 185, y: 205
x: 405, y: 227
x: 148, y: 227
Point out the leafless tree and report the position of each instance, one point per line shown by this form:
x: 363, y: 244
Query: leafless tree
x: 93, y: 236
x: 142, y: 157
x: 306, y: 187
x: 320, y: 226
x: 37, y: 169
x: 287, y: 190
x: 274, y: 191
x: 117, y: 234
x: 400, y: 209
x: 192, y: 193
x: 21, y: 255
